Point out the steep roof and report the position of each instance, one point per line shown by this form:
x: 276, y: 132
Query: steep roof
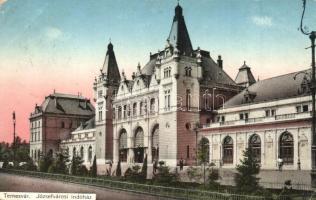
x: 90, y: 124
x: 275, y: 88
x: 67, y: 104
x: 179, y: 36
x: 213, y: 73
x: 110, y: 68
x: 245, y: 76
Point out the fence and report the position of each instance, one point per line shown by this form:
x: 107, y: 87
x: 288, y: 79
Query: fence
x: 161, y: 191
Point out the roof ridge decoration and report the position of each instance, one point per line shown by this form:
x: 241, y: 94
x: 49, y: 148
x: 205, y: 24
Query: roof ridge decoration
x: 110, y: 68
x: 179, y: 36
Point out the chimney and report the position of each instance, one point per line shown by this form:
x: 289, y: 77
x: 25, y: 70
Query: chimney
x: 220, y: 61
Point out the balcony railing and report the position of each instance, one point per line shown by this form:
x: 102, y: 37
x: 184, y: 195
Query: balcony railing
x: 290, y: 116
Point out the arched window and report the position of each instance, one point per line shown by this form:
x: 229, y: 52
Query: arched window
x: 90, y: 154
x: 188, y: 71
x: 124, y: 111
x: 123, y: 145
x: 135, y: 109
x: 139, y: 145
x: 228, y: 150
x: 141, y: 107
x: 286, y: 147
x: 155, y: 143
x: 255, y: 146
x: 81, y: 152
x: 152, y: 105
x: 188, y: 99
x: 119, y: 112
x: 74, y: 152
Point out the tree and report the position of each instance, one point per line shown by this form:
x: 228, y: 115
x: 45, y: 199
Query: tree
x: 77, y: 168
x: 94, y: 167
x: 245, y: 178
x: 60, y: 164
x: 118, y: 169
x: 203, y: 153
x: 45, y: 162
x: 143, y: 173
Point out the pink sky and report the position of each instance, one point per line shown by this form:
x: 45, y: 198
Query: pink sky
x: 47, y: 45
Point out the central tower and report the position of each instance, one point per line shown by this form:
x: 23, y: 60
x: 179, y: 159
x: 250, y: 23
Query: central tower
x: 105, y: 87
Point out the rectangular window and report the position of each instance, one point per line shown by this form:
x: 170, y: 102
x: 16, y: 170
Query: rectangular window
x: 188, y: 151
x: 223, y: 118
x: 241, y: 116
x: 167, y: 100
x: 305, y: 108
x: 272, y: 113
x: 298, y: 109
x: 246, y: 116
x: 267, y: 113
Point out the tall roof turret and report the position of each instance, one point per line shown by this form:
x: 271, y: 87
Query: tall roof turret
x: 179, y: 36
x: 110, y: 68
x: 245, y: 77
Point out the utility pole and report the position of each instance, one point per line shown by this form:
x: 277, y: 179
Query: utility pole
x: 13, y: 116
x: 312, y: 37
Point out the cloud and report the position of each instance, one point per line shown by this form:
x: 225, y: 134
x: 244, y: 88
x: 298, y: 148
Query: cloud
x: 53, y: 33
x: 263, y: 21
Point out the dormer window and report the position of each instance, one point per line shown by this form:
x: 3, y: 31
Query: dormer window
x: 188, y: 71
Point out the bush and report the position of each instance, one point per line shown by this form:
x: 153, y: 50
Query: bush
x: 164, y: 176
x: 133, y: 174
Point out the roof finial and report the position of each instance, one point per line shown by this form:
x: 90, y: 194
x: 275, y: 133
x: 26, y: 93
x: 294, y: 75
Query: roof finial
x: 178, y: 2
x: 244, y: 62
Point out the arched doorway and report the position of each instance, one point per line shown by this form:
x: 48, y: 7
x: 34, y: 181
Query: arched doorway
x: 286, y: 146
x: 228, y: 150
x: 255, y: 146
x: 139, y: 145
x: 123, y: 146
x: 155, y: 143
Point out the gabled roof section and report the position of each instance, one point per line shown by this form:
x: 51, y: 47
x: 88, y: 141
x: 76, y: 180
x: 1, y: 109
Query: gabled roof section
x: 110, y: 68
x: 245, y: 77
x: 179, y: 36
x: 275, y: 88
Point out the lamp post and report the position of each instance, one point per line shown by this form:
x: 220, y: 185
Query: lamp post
x: 13, y: 117
x: 312, y: 37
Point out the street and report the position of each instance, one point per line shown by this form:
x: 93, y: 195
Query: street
x: 14, y: 183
